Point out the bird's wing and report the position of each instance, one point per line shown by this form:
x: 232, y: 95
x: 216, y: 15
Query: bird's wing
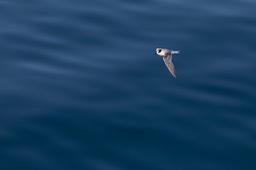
x: 169, y: 64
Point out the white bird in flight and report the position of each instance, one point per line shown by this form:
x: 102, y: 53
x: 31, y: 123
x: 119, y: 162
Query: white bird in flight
x: 167, y: 57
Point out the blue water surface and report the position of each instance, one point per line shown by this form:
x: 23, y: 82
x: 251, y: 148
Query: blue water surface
x: 82, y: 88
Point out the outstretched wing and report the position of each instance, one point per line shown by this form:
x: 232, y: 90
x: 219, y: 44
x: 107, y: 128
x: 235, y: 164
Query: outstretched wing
x: 169, y: 64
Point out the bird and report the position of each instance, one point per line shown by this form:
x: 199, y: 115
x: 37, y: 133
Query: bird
x: 167, y: 57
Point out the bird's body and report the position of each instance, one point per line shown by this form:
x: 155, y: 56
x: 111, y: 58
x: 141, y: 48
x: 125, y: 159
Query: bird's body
x: 167, y: 57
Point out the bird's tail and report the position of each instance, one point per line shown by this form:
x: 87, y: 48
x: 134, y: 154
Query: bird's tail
x: 175, y: 51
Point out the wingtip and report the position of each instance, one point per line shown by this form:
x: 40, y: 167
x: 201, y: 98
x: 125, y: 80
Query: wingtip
x: 175, y: 52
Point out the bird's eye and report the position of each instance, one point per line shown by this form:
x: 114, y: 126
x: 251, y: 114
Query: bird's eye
x: 159, y: 51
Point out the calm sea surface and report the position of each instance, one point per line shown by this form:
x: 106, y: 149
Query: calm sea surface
x: 82, y: 89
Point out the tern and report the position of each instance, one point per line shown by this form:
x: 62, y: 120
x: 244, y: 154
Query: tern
x: 167, y: 57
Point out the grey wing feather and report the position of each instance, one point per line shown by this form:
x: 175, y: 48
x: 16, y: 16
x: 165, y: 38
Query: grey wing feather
x: 169, y: 65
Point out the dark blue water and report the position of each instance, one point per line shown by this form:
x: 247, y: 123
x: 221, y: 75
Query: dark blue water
x: 82, y: 88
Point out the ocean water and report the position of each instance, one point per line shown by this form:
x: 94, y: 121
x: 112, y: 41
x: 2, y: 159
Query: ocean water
x: 82, y: 88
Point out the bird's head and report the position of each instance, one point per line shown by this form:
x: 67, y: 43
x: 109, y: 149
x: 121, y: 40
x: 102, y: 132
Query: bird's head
x: 161, y: 52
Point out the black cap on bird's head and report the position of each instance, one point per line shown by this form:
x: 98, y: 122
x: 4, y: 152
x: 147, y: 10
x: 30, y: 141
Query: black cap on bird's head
x: 161, y: 52
x: 158, y: 51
